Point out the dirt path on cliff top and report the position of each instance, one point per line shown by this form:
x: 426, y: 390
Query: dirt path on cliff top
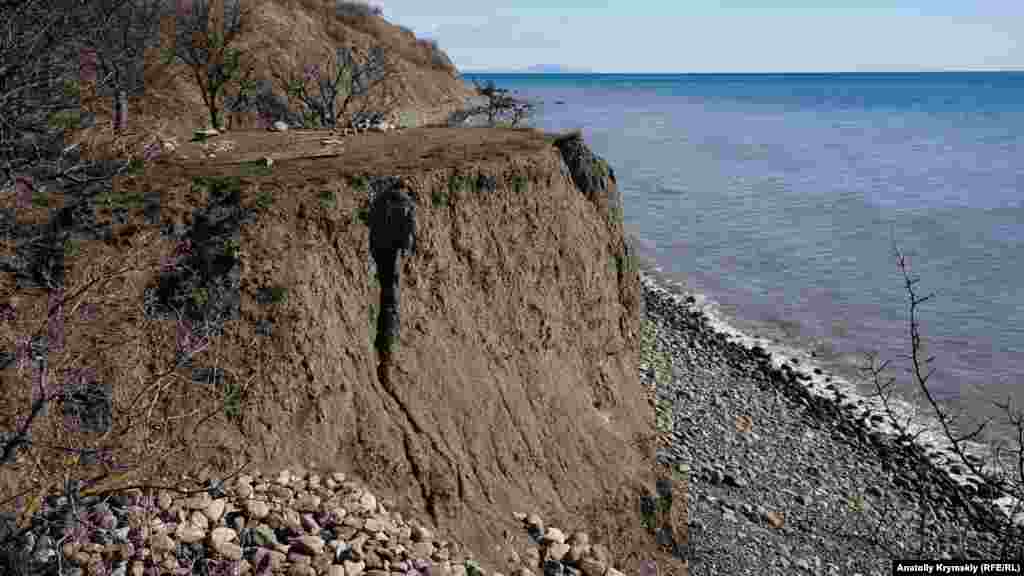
x: 517, y: 387
x: 372, y: 152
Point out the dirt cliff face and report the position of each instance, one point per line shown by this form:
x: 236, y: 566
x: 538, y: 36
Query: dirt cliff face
x: 513, y: 384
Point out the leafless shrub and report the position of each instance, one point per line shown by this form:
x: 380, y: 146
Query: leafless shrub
x: 349, y: 9
x: 346, y: 77
x: 994, y: 484
x: 500, y: 109
x: 64, y: 424
x: 214, y: 64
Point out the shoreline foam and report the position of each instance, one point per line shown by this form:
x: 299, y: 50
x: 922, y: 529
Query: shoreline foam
x: 935, y: 445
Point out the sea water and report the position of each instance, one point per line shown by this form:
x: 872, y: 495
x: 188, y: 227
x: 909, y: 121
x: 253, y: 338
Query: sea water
x: 779, y: 199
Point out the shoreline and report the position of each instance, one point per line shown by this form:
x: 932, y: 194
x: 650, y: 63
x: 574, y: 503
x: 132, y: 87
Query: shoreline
x: 827, y: 386
x: 766, y: 454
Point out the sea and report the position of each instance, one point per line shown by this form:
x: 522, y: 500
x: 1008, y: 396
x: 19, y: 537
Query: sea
x: 780, y: 201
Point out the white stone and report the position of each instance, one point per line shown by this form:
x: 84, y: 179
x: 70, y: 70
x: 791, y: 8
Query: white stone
x: 354, y: 568
x: 189, y: 533
x: 257, y: 509
x: 221, y: 535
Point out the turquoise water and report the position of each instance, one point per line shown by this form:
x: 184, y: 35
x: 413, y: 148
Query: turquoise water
x: 778, y: 197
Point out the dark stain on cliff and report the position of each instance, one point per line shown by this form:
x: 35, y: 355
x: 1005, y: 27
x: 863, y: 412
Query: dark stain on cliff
x: 392, y: 229
x: 590, y: 173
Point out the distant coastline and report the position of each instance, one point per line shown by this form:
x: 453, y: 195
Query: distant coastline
x: 535, y: 69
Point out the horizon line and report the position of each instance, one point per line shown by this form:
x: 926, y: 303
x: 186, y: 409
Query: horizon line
x: 949, y: 71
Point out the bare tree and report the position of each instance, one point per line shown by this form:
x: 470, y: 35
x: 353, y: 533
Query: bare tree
x: 351, y: 80
x: 112, y: 37
x: 204, y: 46
x: 500, y: 106
x: 40, y: 46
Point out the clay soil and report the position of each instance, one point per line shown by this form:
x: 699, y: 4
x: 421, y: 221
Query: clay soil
x: 515, y: 385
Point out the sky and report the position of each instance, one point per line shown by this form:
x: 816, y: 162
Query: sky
x: 721, y: 36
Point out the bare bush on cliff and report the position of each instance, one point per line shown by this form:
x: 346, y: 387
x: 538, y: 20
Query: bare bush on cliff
x: 71, y: 425
x: 993, y: 484
x: 500, y: 109
x: 203, y: 41
x: 347, y: 76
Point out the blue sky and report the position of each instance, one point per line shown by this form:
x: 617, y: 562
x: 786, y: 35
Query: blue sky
x: 722, y: 36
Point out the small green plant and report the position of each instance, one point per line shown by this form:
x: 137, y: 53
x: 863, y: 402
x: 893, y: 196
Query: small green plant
x: 328, y: 199
x: 121, y: 200
x: 65, y: 119
x: 519, y: 183
x: 39, y: 200
x: 232, y: 400
x: 856, y: 503
x: 217, y: 186
x: 456, y: 184
x: 407, y: 119
x: 232, y: 248
x: 70, y: 248
x: 373, y: 322
x: 647, y: 514
x: 200, y: 296
x: 664, y: 416
x: 278, y: 294
x: 256, y: 168
x: 136, y: 166
x: 264, y: 199
x: 363, y: 214
x: 359, y: 183
x: 472, y: 568
x: 680, y: 473
x: 439, y: 197
x: 71, y: 89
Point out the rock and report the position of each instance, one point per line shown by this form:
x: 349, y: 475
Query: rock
x: 215, y: 509
x: 368, y: 502
x: 554, y: 535
x: 421, y: 534
x: 200, y: 520
x: 353, y: 568
x: 600, y: 552
x: 264, y: 536
x: 164, y: 501
x: 222, y: 534
x: 189, y: 533
x: 556, y: 551
x: 577, y: 552
x: 279, y: 126
x: 310, y: 545
x: 257, y: 509
x: 310, y: 524
x: 308, y: 503
x: 230, y: 550
x: 580, y: 538
x: 534, y: 521
x: 423, y: 549
x: 592, y: 567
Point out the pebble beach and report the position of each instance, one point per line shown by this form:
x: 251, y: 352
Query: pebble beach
x: 783, y: 480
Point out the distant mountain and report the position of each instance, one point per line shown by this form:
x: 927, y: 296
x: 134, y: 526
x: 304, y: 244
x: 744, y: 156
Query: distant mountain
x: 555, y: 69
x: 535, y: 69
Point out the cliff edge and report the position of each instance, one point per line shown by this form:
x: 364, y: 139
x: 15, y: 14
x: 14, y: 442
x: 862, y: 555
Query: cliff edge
x: 512, y: 385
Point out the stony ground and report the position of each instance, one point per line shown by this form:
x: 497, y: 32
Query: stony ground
x: 296, y: 522
x: 781, y: 483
